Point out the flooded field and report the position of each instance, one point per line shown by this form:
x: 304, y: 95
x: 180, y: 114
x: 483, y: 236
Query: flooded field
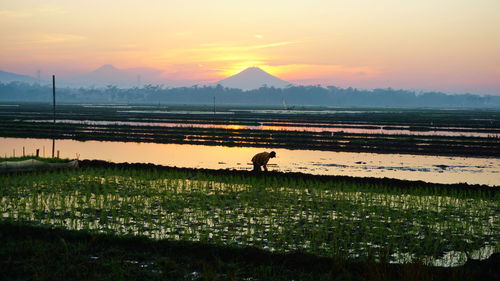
x: 465, y: 133
x: 300, y: 127
x: 437, y: 169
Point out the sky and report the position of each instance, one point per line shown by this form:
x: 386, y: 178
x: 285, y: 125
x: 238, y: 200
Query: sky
x: 444, y: 45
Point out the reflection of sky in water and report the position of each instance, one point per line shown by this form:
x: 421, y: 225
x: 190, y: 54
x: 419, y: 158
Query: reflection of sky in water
x: 312, y: 127
x: 439, y: 169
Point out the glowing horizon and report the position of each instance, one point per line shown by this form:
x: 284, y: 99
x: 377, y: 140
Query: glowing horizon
x: 445, y: 45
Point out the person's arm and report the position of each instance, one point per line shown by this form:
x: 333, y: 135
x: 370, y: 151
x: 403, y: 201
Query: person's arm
x: 266, y: 160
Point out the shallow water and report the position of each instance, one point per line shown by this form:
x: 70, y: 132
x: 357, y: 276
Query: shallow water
x: 437, y: 169
x: 176, y: 112
x: 291, y: 111
x: 312, y: 127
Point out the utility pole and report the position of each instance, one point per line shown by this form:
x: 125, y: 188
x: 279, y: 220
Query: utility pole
x: 214, y: 105
x: 54, y: 97
x: 54, y: 113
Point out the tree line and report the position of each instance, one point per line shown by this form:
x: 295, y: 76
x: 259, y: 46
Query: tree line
x: 291, y: 96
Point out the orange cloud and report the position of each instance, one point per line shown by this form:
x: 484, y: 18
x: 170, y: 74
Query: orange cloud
x: 307, y: 71
x: 222, y: 58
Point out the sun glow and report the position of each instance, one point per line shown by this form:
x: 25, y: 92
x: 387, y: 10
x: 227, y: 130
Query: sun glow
x: 349, y: 43
x: 234, y: 127
x: 236, y: 68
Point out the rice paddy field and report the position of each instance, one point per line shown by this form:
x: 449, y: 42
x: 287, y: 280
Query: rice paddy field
x: 469, y: 133
x: 324, y: 217
x: 107, y: 221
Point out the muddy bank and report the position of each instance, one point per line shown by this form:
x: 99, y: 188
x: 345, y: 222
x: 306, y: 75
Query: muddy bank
x: 34, y: 165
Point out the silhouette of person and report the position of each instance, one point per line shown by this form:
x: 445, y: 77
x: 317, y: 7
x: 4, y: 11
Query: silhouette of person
x: 261, y: 159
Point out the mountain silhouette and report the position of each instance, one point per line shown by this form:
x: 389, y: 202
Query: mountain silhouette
x: 107, y: 74
x: 253, y: 78
x: 7, y: 77
x: 106, y: 68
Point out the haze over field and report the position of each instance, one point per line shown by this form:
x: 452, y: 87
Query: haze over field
x: 445, y: 45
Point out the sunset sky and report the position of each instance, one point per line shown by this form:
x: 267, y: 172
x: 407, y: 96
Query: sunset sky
x: 446, y: 45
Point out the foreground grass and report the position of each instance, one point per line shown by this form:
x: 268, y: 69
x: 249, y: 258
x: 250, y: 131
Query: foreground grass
x: 274, y: 212
x: 39, y: 253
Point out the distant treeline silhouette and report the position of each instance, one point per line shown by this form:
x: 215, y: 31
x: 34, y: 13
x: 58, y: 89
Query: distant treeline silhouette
x: 292, y: 96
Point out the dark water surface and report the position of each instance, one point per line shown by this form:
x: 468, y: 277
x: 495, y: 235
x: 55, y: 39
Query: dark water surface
x: 299, y: 127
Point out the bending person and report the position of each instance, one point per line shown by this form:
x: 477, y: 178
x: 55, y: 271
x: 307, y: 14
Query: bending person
x: 261, y: 159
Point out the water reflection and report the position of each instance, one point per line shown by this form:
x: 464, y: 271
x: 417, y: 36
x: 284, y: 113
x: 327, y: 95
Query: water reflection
x: 438, y: 169
x: 177, y: 112
x: 301, y: 127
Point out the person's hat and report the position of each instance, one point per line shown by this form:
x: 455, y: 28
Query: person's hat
x: 272, y: 154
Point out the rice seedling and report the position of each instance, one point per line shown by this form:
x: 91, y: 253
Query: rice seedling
x: 324, y: 218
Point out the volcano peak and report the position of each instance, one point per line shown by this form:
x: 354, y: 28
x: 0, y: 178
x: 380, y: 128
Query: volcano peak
x: 253, y: 78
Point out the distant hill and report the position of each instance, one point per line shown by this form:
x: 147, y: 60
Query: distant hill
x: 297, y: 96
x: 109, y: 75
x: 7, y: 77
x: 253, y: 78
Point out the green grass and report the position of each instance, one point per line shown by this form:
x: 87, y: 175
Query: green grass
x: 41, y: 253
x: 354, y: 221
